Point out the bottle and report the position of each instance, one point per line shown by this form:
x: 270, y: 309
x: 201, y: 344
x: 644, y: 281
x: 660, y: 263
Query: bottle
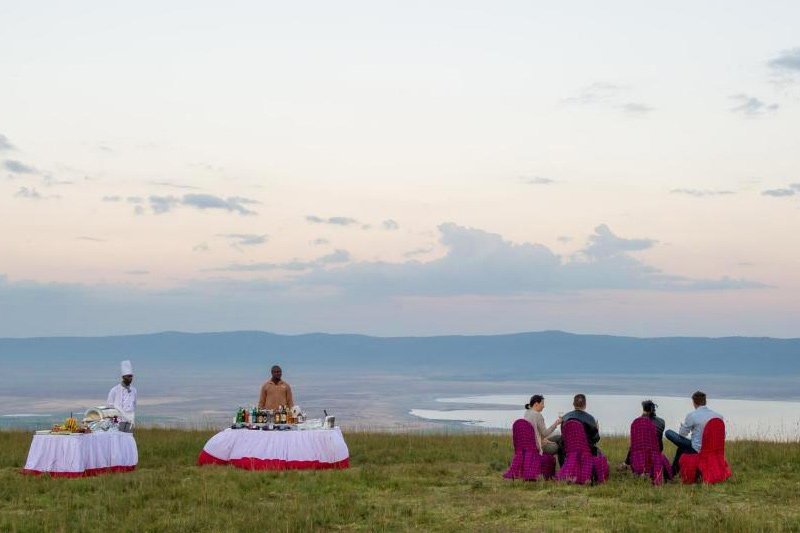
x: 239, y: 416
x: 254, y: 415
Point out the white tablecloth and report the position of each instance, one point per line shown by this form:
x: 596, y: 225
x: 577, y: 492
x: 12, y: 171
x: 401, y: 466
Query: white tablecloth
x: 277, y: 450
x: 82, y: 455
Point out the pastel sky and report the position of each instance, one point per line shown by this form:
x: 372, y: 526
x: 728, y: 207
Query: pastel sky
x: 400, y: 167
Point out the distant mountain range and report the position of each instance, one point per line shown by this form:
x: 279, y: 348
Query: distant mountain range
x: 514, y: 355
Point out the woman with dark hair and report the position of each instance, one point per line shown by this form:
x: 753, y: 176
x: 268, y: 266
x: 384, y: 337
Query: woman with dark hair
x: 648, y: 411
x: 533, y: 414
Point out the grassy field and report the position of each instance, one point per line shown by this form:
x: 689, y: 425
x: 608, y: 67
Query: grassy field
x: 398, y: 482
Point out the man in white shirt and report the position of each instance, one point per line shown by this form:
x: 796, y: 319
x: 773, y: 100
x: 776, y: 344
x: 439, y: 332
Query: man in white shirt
x: 695, y: 423
x: 123, y: 398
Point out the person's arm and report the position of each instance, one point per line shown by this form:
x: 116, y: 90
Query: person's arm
x: 546, y: 432
x: 289, y: 401
x: 262, y: 397
x: 112, y: 397
x: 686, y: 426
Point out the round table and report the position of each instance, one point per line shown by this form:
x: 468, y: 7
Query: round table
x: 277, y: 450
x: 82, y: 455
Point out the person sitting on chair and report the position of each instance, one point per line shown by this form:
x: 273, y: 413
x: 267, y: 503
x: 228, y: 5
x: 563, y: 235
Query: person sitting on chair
x: 648, y: 411
x: 533, y: 414
x: 695, y: 423
x: 588, y: 422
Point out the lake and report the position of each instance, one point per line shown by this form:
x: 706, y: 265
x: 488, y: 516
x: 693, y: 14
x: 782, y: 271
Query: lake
x: 745, y: 419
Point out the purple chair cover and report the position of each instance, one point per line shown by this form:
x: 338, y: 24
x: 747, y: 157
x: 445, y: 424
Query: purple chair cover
x: 528, y: 463
x: 579, y: 463
x: 646, y: 458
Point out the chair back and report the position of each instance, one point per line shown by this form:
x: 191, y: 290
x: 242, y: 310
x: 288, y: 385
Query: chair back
x: 574, y: 437
x: 523, y: 435
x: 713, y: 437
x: 644, y: 436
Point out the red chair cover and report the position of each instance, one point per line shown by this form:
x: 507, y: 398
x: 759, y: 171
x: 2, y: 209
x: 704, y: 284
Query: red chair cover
x: 710, y: 462
x: 527, y: 462
x: 579, y: 463
x: 646, y: 457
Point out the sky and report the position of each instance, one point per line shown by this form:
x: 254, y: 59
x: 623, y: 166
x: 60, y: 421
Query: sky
x: 400, y: 167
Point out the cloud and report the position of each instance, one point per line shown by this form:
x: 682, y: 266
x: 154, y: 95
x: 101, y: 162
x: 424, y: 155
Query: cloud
x: 112, y: 198
x: 202, y: 247
x: 18, y: 167
x: 234, y: 204
x: 91, y: 239
x: 333, y: 221
x: 789, y: 190
x: 5, y: 144
x: 50, y: 181
x: 104, y: 148
x: 174, y: 185
x: 702, y: 193
x: 391, y: 225
x: 482, y: 263
x: 336, y: 257
x: 594, y: 93
x: 750, y: 106
x: 320, y: 242
x: 786, y: 66
x: 134, y: 199
x: 604, y: 244
x: 564, y: 239
x: 636, y: 108
x: 419, y: 251
x: 537, y: 180
x: 138, y: 210
x: 137, y: 272
x: 779, y: 192
x: 244, y: 239
x: 30, y: 194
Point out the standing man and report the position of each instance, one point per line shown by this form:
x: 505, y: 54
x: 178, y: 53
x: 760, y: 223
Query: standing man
x: 695, y: 423
x: 275, y: 392
x: 123, y: 398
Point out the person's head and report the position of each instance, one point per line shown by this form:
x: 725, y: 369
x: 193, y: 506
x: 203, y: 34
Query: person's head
x: 537, y: 403
x: 126, y: 373
x: 277, y: 373
x: 649, y: 408
x: 579, y: 402
x: 699, y: 399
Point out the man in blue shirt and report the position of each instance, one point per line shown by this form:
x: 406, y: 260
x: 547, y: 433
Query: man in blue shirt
x: 695, y: 423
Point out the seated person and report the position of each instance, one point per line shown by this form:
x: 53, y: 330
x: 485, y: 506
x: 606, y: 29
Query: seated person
x: 588, y: 422
x: 648, y: 411
x: 533, y: 414
x: 695, y: 423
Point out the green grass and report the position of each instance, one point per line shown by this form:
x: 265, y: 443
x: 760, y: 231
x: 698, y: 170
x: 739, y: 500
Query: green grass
x: 397, y: 482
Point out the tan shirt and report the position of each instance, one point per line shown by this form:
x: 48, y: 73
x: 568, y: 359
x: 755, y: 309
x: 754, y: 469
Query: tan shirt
x: 537, y: 421
x: 274, y: 395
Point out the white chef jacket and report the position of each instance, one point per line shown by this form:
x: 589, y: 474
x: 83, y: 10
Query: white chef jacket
x: 123, y: 399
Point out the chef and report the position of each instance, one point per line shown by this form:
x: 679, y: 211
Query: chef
x: 123, y: 398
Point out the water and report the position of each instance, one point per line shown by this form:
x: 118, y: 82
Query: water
x: 744, y: 419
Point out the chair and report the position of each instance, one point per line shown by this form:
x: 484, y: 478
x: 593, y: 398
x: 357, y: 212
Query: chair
x: 580, y: 465
x: 710, y: 462
x: 646, y: 457
x: 528, y: 463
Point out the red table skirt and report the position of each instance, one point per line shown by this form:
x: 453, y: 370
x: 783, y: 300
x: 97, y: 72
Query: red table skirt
x: 85, y: 473
x: 251, y: 463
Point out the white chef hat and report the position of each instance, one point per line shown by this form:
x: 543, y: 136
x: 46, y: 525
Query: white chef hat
x: 126, y: 368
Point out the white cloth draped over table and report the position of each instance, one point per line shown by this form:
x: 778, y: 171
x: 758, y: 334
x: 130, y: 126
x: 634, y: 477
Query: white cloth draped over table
x: 78, y: 455
x: 324, y: 448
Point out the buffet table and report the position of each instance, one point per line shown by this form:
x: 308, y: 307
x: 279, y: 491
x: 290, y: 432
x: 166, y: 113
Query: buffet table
x: 80, y: 455
x: 277, y: 450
